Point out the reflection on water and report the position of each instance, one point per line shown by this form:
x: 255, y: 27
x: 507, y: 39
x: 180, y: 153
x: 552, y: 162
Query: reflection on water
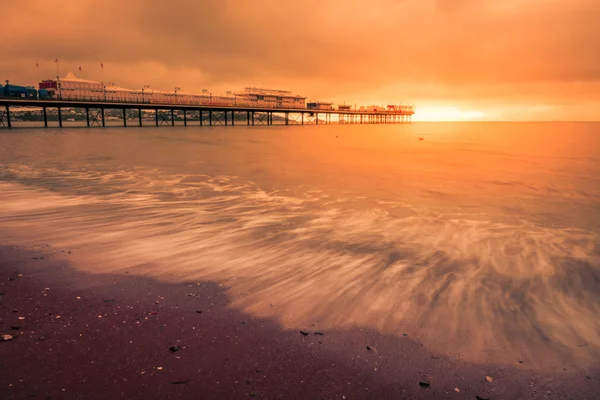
x: 475, y: 247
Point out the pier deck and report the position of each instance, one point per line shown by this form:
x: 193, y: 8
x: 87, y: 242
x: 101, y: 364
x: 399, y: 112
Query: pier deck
x: 164, y: 114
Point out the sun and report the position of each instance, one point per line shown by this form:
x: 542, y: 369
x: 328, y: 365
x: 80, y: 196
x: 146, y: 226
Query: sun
x: 447, y: 114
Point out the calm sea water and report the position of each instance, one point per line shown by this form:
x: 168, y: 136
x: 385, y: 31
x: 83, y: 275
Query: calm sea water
x: 481, y: 240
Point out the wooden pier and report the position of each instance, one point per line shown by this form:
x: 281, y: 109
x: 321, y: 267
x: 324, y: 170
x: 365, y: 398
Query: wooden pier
x: 164, y: 114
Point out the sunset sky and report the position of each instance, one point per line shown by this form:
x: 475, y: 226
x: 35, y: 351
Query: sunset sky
x: 453, y: 59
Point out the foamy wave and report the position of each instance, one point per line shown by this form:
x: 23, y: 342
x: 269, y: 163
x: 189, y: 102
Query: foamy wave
x: 455, y: 280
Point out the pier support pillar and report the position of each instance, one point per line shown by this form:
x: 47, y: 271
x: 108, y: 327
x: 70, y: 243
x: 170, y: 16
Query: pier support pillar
x: 286, y: 118
x: 87, y: 116
x: 252, y: 118
x: 302, y: 118
x: 8, y: 124
x: 125, y: 118
x: 172, y: 117
x: 209, y: 117
x: 45, y: 117
x: 317, y: 118
x: 225, y: 117
x: 156, y: 116
x: 201, y: 116
x: 103, y: 120
x: 59, y: 117
x: 140, y: 116
x: 232, y: 118
x: 184, y: 117
x: 248, y: 117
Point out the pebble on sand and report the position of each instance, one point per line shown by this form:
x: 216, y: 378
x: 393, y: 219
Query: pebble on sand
x: 424, y: 384
x: 489, y: 379
x: 371, y: 348
x: 6, y: 338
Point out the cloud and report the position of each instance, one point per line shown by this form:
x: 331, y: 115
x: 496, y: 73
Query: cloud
x: 457, y: 49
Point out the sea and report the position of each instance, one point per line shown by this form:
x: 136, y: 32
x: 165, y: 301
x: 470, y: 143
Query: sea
x: 480, y: 239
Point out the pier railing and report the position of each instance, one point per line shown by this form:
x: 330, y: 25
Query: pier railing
x: 210, y: 102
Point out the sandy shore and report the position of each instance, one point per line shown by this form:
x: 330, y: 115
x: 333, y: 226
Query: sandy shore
x: 83, y: 336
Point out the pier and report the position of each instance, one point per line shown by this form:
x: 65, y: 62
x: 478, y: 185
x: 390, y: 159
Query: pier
x: 131, y: 114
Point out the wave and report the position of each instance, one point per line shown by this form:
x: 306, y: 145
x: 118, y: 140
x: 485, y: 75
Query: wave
x: 461, y: 282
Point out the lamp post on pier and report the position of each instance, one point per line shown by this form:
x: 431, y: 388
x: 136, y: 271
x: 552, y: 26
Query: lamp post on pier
x: 143, y: 88
x: 176, y: 90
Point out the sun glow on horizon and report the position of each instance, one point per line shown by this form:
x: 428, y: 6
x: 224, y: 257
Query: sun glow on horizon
x: 446, y: 114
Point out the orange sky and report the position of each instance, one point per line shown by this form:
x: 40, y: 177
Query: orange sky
x: 456, y: 59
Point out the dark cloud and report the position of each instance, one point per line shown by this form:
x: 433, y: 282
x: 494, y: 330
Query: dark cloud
x: 451, y: 50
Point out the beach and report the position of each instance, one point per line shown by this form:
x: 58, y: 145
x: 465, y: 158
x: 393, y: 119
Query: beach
x: 102, y: 336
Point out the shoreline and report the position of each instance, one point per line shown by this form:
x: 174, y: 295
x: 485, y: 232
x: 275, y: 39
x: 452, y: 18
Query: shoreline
x: 109, y: 336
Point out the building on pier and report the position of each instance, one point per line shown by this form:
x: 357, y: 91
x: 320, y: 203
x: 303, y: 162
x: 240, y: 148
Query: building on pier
x: 73, y: 87
x: 319, y: 105
x: 117, y: 93
x: 270, y: 98
x: 344, y: 107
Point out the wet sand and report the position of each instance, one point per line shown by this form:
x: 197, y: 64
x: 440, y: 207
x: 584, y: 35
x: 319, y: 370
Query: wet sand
x: 86, y: 336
